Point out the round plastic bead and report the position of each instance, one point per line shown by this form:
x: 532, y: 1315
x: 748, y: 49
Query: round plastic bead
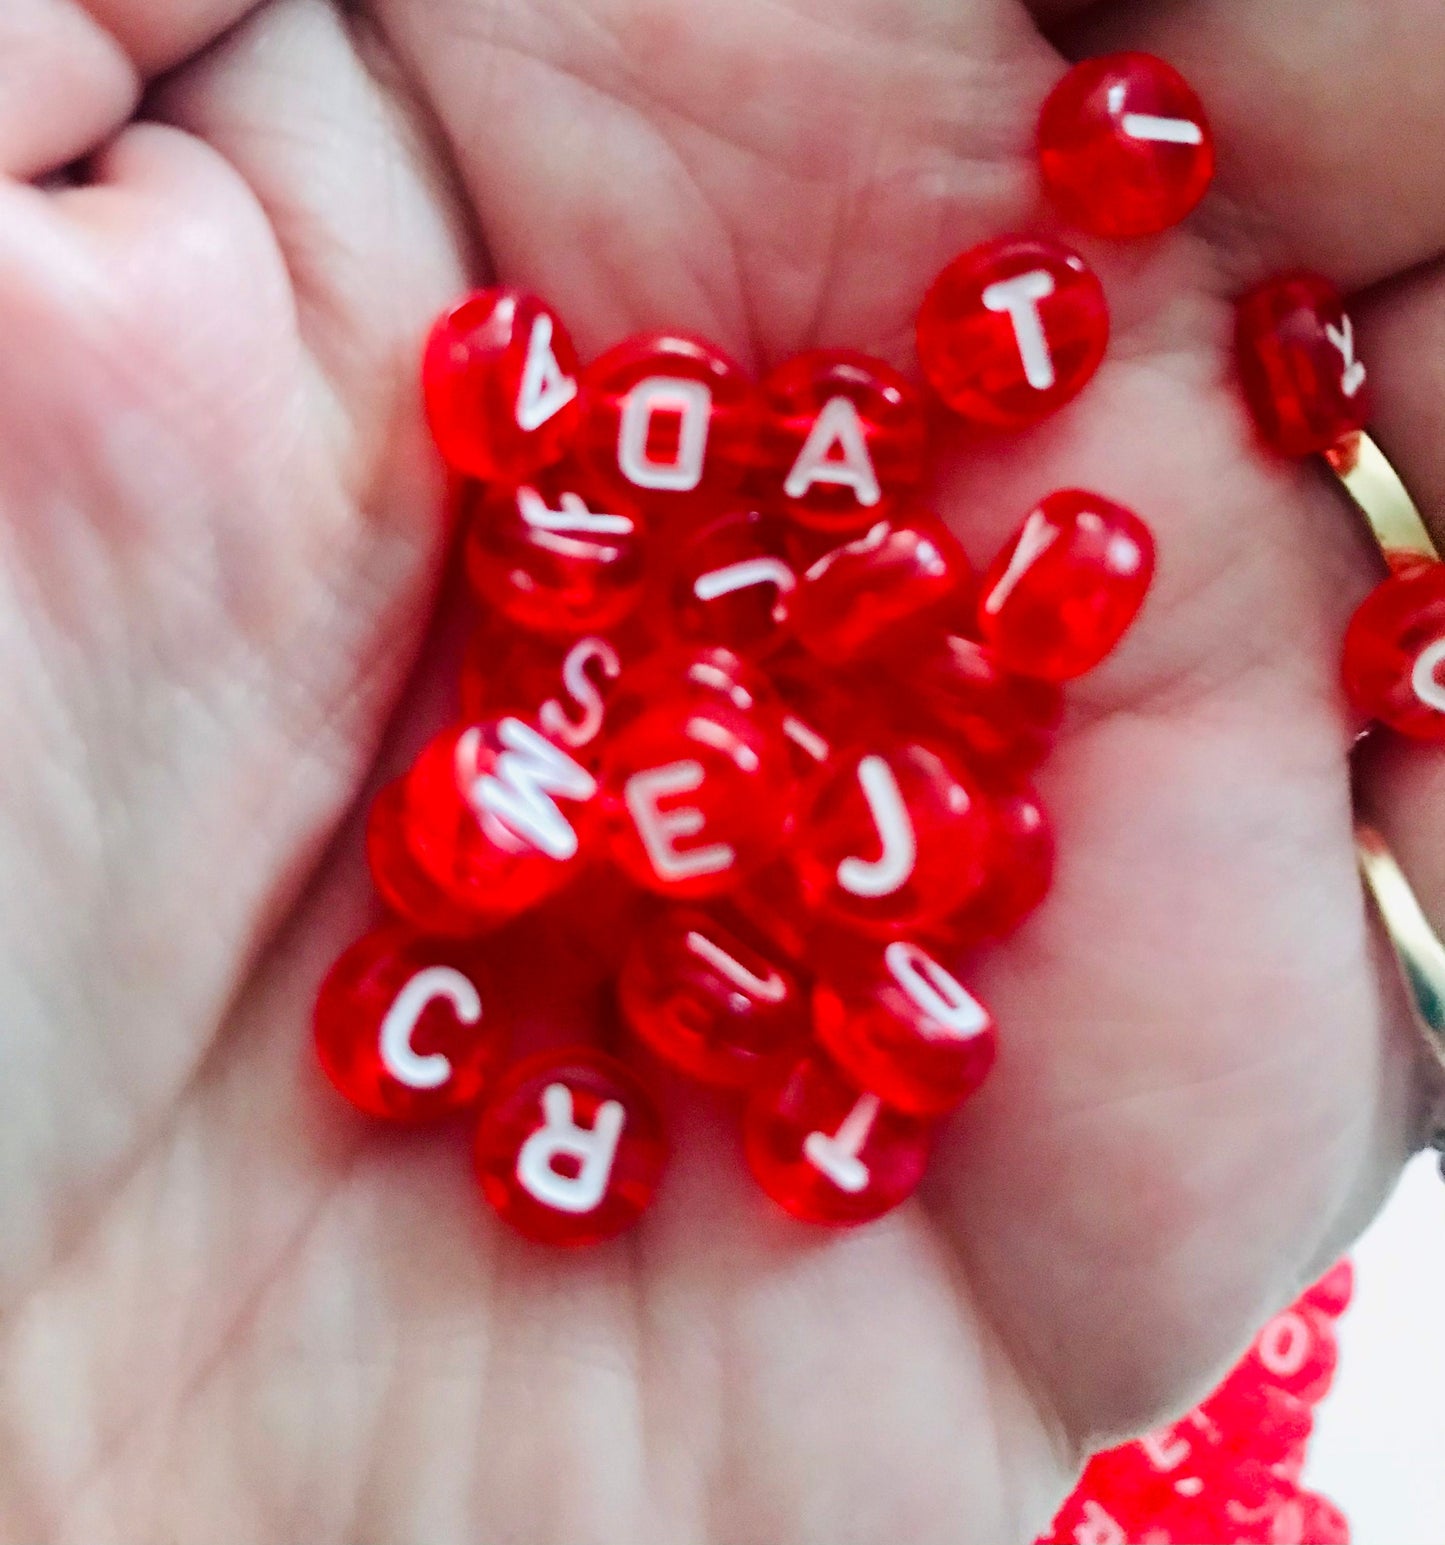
x: 1124, y: 146
x: 1063, y: 592
x: 1003, y: 724
x: 403, y: 885
x: 499, y: 379
x: 843, y: 439
x: 707, y: 1001
x: 828, y: 1152
x: 1020, y: 865
x: 698, y: 788
x: 730, y: 585
x: 1296, y: 1351
x: 484, y: 815
x: 407, y: 1027
x: 870, y: 595
x: 570, y: 1148
x: 1306, y: 388
x: 669, y: 422
x: 1394, y: 658
x: 891, y: 837
x: 552, y: 562
x: 1012, y: 330
x: 897, y: 1023
x: 1331, y: 1295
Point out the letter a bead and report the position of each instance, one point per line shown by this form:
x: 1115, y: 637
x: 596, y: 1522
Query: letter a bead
x: 1063, y: 593
x: 708, y: 1002
x: 500, y: 383
x: 1394, y: 665
x: 407, y: 1027
x: 843, y: 440
x: 891, y: 837
x: 1012, y: 330
x: 827, y: 1151
x: 1124, y: 146
x: 570, y: 1148
x: 896, y: 1022
x: 667, y: 422
x: 1303, y: 380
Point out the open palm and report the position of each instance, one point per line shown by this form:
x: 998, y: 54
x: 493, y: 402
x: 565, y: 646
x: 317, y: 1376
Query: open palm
x: 225, y: 1309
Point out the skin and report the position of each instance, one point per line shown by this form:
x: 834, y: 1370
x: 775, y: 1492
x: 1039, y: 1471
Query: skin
x: 225, y: 1304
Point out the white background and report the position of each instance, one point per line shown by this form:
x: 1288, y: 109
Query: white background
x: 1379, y: 1444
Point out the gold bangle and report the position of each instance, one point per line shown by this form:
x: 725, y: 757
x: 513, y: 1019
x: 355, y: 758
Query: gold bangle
x: 1376, y: 488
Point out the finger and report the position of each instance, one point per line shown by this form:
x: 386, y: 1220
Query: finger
x: 1328, y: 120
x: 72, y: 74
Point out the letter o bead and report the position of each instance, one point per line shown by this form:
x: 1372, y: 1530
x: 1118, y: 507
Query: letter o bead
x: 668, y: 422
x: 1012, y: 330
x: 1394, y: 660
x: 896, y: 1022
x: 570, y: 1147
x: 407, y: 1027
x: 827, y: 1151
x: 500, y: 383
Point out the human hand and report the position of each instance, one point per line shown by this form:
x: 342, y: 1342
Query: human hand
x: 222, y: 1301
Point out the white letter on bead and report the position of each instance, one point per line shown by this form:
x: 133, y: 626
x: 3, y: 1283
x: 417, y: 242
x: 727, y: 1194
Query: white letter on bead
x: 553, y: 718
x: 941, y: 997
x: 770, y: 989
x: 1038, y: 535
x: 1019, y: 298
x: 743, y: 575
x: 1284, y: 1345
x: 1163, y: 131
x: 573, y: 516
x: 1343, y: 338
x: 1424, y: 680
x: 398, y: 1056
x: 836, y: 1156
x: 660, y: 830
x: 560, y: 1137
x: 545, y: 390
x: 519, y: 794
x: 1099, y: 1527
x: 883, y: 875
x: 838, y: 424
x: 692, y: 401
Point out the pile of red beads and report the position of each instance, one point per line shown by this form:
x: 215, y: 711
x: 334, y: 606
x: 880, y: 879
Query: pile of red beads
x: 732, y: 656
x: 1229, y: 1471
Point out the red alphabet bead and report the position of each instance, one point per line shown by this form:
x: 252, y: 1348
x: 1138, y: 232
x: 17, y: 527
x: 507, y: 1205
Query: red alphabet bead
x: 1003, y: 724
x: 891, y: 837
x: 709, y: 1002
x: 1295, y: 346
x: 731, y: 583
x: 1124, y: 145
x: 827, y: 1151
x: 403, y: 884
x: 484, y: 820
x: 1296, y: 1351
x: 1020, y: 864
x: 570, y: 1148
x: 1012, y: 330
x: 897, y: 1023
x: 858, y: 599
x: 407, y: 1027
x: 667, y: 421
x: 698, y: 786
x: 550, y: 561
x: 1062, y: 594
x: 1332, y: 1293
x: 1394, y: 659
x: 500, y: 382
x: 843, y: 439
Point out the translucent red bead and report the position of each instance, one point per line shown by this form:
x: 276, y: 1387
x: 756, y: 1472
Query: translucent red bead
x: 1062, y: 594
x: 1394, y: 658
x: 743, y: 728
x: 408, y: 1027
x: 1124, y: 146
x: 500, y: 382
x: 570, y: 1148
x: 1012, y: 330
x: 1303, y: 379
